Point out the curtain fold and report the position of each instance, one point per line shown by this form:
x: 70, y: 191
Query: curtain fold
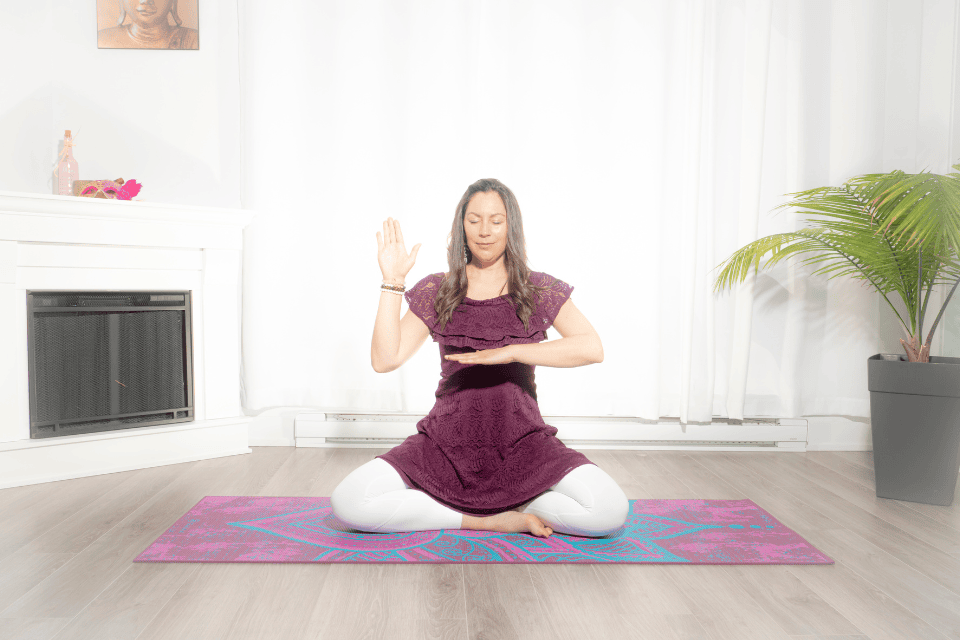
x: 646, y: 141
x: 756, y: 59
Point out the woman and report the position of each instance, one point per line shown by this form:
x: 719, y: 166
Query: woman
x: 148, y: 28
x: 483, y: 458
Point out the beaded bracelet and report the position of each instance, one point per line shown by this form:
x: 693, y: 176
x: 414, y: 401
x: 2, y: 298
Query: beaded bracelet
x: 399, y: 293
x: 393, y: 288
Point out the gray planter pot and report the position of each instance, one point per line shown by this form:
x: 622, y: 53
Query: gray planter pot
x: 915, y: 419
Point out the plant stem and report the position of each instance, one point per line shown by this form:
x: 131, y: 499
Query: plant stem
x: 919, y: 293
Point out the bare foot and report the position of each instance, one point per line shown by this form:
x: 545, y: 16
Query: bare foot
x: 509, y: 522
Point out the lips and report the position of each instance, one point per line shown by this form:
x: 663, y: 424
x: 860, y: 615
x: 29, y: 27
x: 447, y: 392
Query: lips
x: 146, y: 12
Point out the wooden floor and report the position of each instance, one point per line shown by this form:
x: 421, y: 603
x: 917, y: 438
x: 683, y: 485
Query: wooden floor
x: 66, y: 570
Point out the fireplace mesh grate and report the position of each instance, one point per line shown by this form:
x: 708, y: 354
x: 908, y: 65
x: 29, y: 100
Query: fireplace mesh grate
x: 108, y: 360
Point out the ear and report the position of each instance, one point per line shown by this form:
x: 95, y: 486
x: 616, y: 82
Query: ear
x: 175, y: 14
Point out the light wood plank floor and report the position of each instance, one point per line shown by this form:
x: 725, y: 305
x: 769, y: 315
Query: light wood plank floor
x: 66, y: 570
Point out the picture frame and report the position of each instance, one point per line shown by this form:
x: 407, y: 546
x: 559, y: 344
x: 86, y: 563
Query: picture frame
x: 148, y: 24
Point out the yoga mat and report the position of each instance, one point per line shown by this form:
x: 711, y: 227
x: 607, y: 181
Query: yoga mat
x: 278, y: 530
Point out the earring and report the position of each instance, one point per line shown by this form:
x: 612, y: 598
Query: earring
x: 465, y: 261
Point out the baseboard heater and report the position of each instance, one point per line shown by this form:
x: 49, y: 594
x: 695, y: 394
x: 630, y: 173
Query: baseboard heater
x: 376, y: 430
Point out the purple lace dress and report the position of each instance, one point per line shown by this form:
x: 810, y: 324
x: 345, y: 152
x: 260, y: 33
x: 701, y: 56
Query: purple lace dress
x: 484, y: 448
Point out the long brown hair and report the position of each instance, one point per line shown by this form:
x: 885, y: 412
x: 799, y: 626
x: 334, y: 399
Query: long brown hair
x: 454, y: 287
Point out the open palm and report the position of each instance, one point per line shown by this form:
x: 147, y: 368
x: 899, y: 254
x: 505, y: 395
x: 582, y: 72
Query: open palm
x: 395, y: 262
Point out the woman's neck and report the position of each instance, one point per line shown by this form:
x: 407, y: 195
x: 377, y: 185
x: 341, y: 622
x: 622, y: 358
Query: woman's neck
x: 487, y: 282
x: 149, y: 35
x: 493, y: 272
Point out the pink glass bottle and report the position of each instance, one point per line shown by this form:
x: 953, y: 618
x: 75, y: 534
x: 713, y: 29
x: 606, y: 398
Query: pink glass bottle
x: 67, y: 170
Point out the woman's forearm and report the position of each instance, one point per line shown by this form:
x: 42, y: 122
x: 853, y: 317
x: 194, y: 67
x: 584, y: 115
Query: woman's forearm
x: 572, y: 351
x: 386, y: 333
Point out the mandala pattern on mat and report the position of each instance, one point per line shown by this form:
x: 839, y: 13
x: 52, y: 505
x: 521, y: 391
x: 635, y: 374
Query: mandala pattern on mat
x: 269, y: 529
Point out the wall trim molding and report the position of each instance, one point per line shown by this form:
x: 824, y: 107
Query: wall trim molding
x: 52, y: 459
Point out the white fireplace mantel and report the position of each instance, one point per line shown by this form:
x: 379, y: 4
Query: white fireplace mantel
x: 62, y: 242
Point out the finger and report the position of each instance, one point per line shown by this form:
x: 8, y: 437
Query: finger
x: 413, y: 253
x: 379, y: 243
x: 396, y: 226
x: 386, y: 232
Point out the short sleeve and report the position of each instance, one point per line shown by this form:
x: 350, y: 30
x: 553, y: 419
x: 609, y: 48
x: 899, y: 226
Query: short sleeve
x: 551, y: 298
x: 421, y: 298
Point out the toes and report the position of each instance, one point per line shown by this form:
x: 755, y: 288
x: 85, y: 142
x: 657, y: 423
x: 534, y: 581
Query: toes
x: 539, y: 528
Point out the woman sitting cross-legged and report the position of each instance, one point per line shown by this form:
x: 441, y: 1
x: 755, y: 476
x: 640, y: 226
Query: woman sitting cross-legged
x: 483, y: 458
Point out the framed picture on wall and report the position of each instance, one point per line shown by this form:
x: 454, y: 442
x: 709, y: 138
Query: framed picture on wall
x: 148, y: 24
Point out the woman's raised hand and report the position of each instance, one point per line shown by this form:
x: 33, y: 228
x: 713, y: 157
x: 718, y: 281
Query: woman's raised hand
x: 395, y: 262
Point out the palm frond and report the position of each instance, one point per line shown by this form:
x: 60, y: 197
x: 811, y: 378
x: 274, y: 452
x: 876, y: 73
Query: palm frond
x: 898, y: 231
x: 826, y: 246
x: 925, y: 206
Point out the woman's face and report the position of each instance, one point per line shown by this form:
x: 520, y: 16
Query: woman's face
x: 148, y: 13
x: 486, y: 227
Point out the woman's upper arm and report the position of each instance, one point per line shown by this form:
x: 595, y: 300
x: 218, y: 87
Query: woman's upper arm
x: 571, y: 322
x: 413, y: 333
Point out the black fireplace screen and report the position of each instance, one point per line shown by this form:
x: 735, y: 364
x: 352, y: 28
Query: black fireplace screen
x: 106, y: 360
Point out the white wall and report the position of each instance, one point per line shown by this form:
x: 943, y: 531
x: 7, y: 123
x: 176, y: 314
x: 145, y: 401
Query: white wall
x: 645, y: 144
x: 172, y: 120
x: 169, y: 119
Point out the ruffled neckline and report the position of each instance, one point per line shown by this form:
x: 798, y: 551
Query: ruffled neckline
x: 489, y: 323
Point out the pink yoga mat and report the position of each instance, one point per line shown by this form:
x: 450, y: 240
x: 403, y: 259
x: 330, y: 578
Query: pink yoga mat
x: 270, y: 529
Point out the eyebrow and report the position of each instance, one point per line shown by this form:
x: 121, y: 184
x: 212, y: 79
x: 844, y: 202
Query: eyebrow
x: 492, y: 215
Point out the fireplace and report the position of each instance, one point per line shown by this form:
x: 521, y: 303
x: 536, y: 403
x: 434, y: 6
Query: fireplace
x: 106, y: 360
x: 150, y: 296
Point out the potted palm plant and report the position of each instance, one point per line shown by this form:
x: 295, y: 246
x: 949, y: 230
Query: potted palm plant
x: 901, y: 233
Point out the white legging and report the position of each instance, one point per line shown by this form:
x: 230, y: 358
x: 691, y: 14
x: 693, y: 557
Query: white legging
x: 586, y: 502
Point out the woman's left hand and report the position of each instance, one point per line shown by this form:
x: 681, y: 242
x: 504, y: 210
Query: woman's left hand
x: 503, y: 355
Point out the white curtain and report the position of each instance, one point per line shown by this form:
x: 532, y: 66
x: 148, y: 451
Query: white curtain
x: 645, y: 141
